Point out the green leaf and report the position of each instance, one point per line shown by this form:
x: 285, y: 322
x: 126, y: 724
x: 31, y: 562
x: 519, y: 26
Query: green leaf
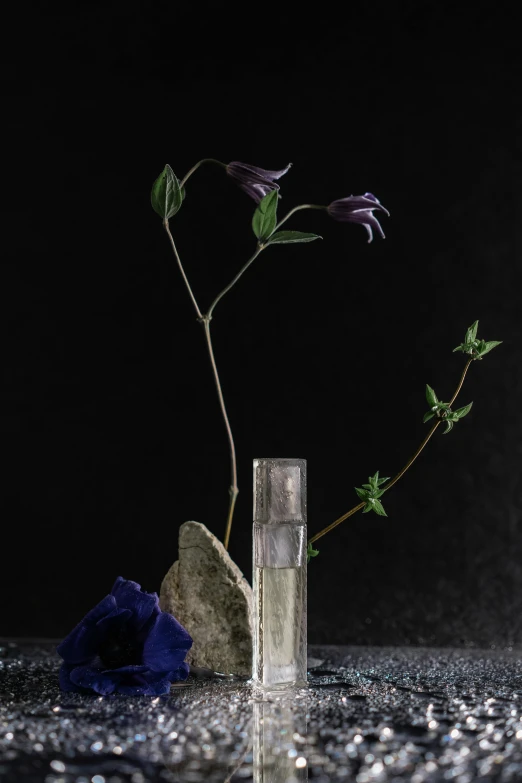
x: 166, y: 197
x: 291, y: 237
x: 377, y: 493
x: 471, y: 333
x: 431, y: 396
x: 368, y: 507
x: 428, y: 416
x: 459, y: 348
x: 383, y: 480
x: 361, y: 493
x: 449, y: 426
x: 368, y: 486
x: 311, y: 552
x: 461, y: 412
x: 488, y: 346
x: 265, y: 216
x: 379, y: 509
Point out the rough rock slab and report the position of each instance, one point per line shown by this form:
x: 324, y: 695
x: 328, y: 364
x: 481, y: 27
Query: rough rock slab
x: 208, y: 594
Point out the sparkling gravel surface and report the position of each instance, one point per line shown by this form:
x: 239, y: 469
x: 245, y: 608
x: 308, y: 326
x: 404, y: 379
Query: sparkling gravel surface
x: 369, y: 714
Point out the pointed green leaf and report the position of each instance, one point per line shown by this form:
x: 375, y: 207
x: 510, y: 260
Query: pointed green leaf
x: 383, y: 480
x: 459, y: 348
x: 265, y: 216
x: 166, y: 197
x: 368, y: 507
x: 379, y: 509
x: 431, y: 396
x: 461, y: 412
x: 291, y: 237
x: 449, y: 426
x: 368, y: 486
x: 488, y: 346
x: 428, y: 416
x: 377, y: 493
x: 471, y: 333
x: 361, y: 493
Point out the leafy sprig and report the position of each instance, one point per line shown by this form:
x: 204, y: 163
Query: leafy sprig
x: 475, y: 347
x: 311, y: 552
x: 371, y: 493
x: 439, y: 410
x: 442, y: 410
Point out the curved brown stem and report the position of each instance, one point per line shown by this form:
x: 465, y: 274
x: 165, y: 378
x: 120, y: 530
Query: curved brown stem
x: 401, y: 473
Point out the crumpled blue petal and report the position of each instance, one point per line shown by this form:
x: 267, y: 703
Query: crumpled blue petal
x: 166, y: 645
x: 97, y: 680
x: 114, y: 619
x: 181, y: 673
x: 146, y: 686
x: 81, y: 644
x: 130, y: 622
x: 131, y: 668
x: 129, y: 595
x: 65, y: 678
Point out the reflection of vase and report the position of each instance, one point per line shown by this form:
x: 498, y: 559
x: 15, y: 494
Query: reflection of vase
x: 279, y: 578
x: 279, y: 730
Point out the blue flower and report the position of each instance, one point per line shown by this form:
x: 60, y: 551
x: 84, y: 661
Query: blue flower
x: 358, y: 209
x: 126, y: 644
x: 257, y: 182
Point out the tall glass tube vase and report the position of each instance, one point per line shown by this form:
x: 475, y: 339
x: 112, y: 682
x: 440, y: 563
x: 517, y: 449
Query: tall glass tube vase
x: 279, y: 578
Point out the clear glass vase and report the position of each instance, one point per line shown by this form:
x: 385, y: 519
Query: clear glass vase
x: 279, y: 578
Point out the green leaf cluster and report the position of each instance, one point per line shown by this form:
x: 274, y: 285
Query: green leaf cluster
x: 311, y: 552
x: 264, y: 224
x: 371, y: 493
x: 475, y: 347
x: 442, y: 410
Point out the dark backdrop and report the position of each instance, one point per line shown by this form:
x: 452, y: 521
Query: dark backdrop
x: 111, y: 432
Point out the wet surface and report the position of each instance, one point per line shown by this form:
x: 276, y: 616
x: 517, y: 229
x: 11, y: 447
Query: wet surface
x: 369, y: 714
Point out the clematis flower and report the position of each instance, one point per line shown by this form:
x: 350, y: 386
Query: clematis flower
x: 253, y: 180
x: 358, y: 209
x: 126, y: 644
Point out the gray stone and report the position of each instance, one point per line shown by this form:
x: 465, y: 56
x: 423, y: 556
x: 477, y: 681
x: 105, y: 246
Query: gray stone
x: 208, y: 594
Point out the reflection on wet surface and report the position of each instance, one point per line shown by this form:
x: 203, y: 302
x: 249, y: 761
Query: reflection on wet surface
x: 279, y: 738
x: 369, y: 714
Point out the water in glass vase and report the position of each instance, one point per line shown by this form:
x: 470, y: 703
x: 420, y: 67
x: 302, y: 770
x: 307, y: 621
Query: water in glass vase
x: 280, y: 622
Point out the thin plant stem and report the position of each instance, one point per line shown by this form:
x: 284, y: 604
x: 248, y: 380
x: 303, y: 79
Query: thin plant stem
x: 234, y: 491
x: 261, y: 246
x: 459, y: 387
x: 337, y: 522
x: 205, y: 320
x: 196, y: 167
x: 296, y: 209
x: 401, y: 472
x: 184, y: 276
x: 227, y: 288
x: 410, y: 462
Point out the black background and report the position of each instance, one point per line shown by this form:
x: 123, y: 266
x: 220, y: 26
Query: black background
x: 111, y: 433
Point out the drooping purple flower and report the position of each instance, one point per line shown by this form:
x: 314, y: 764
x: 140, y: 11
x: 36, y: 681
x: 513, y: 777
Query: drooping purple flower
x: 359, y: 209
x: 126, y: 644
x: 253, y: 180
